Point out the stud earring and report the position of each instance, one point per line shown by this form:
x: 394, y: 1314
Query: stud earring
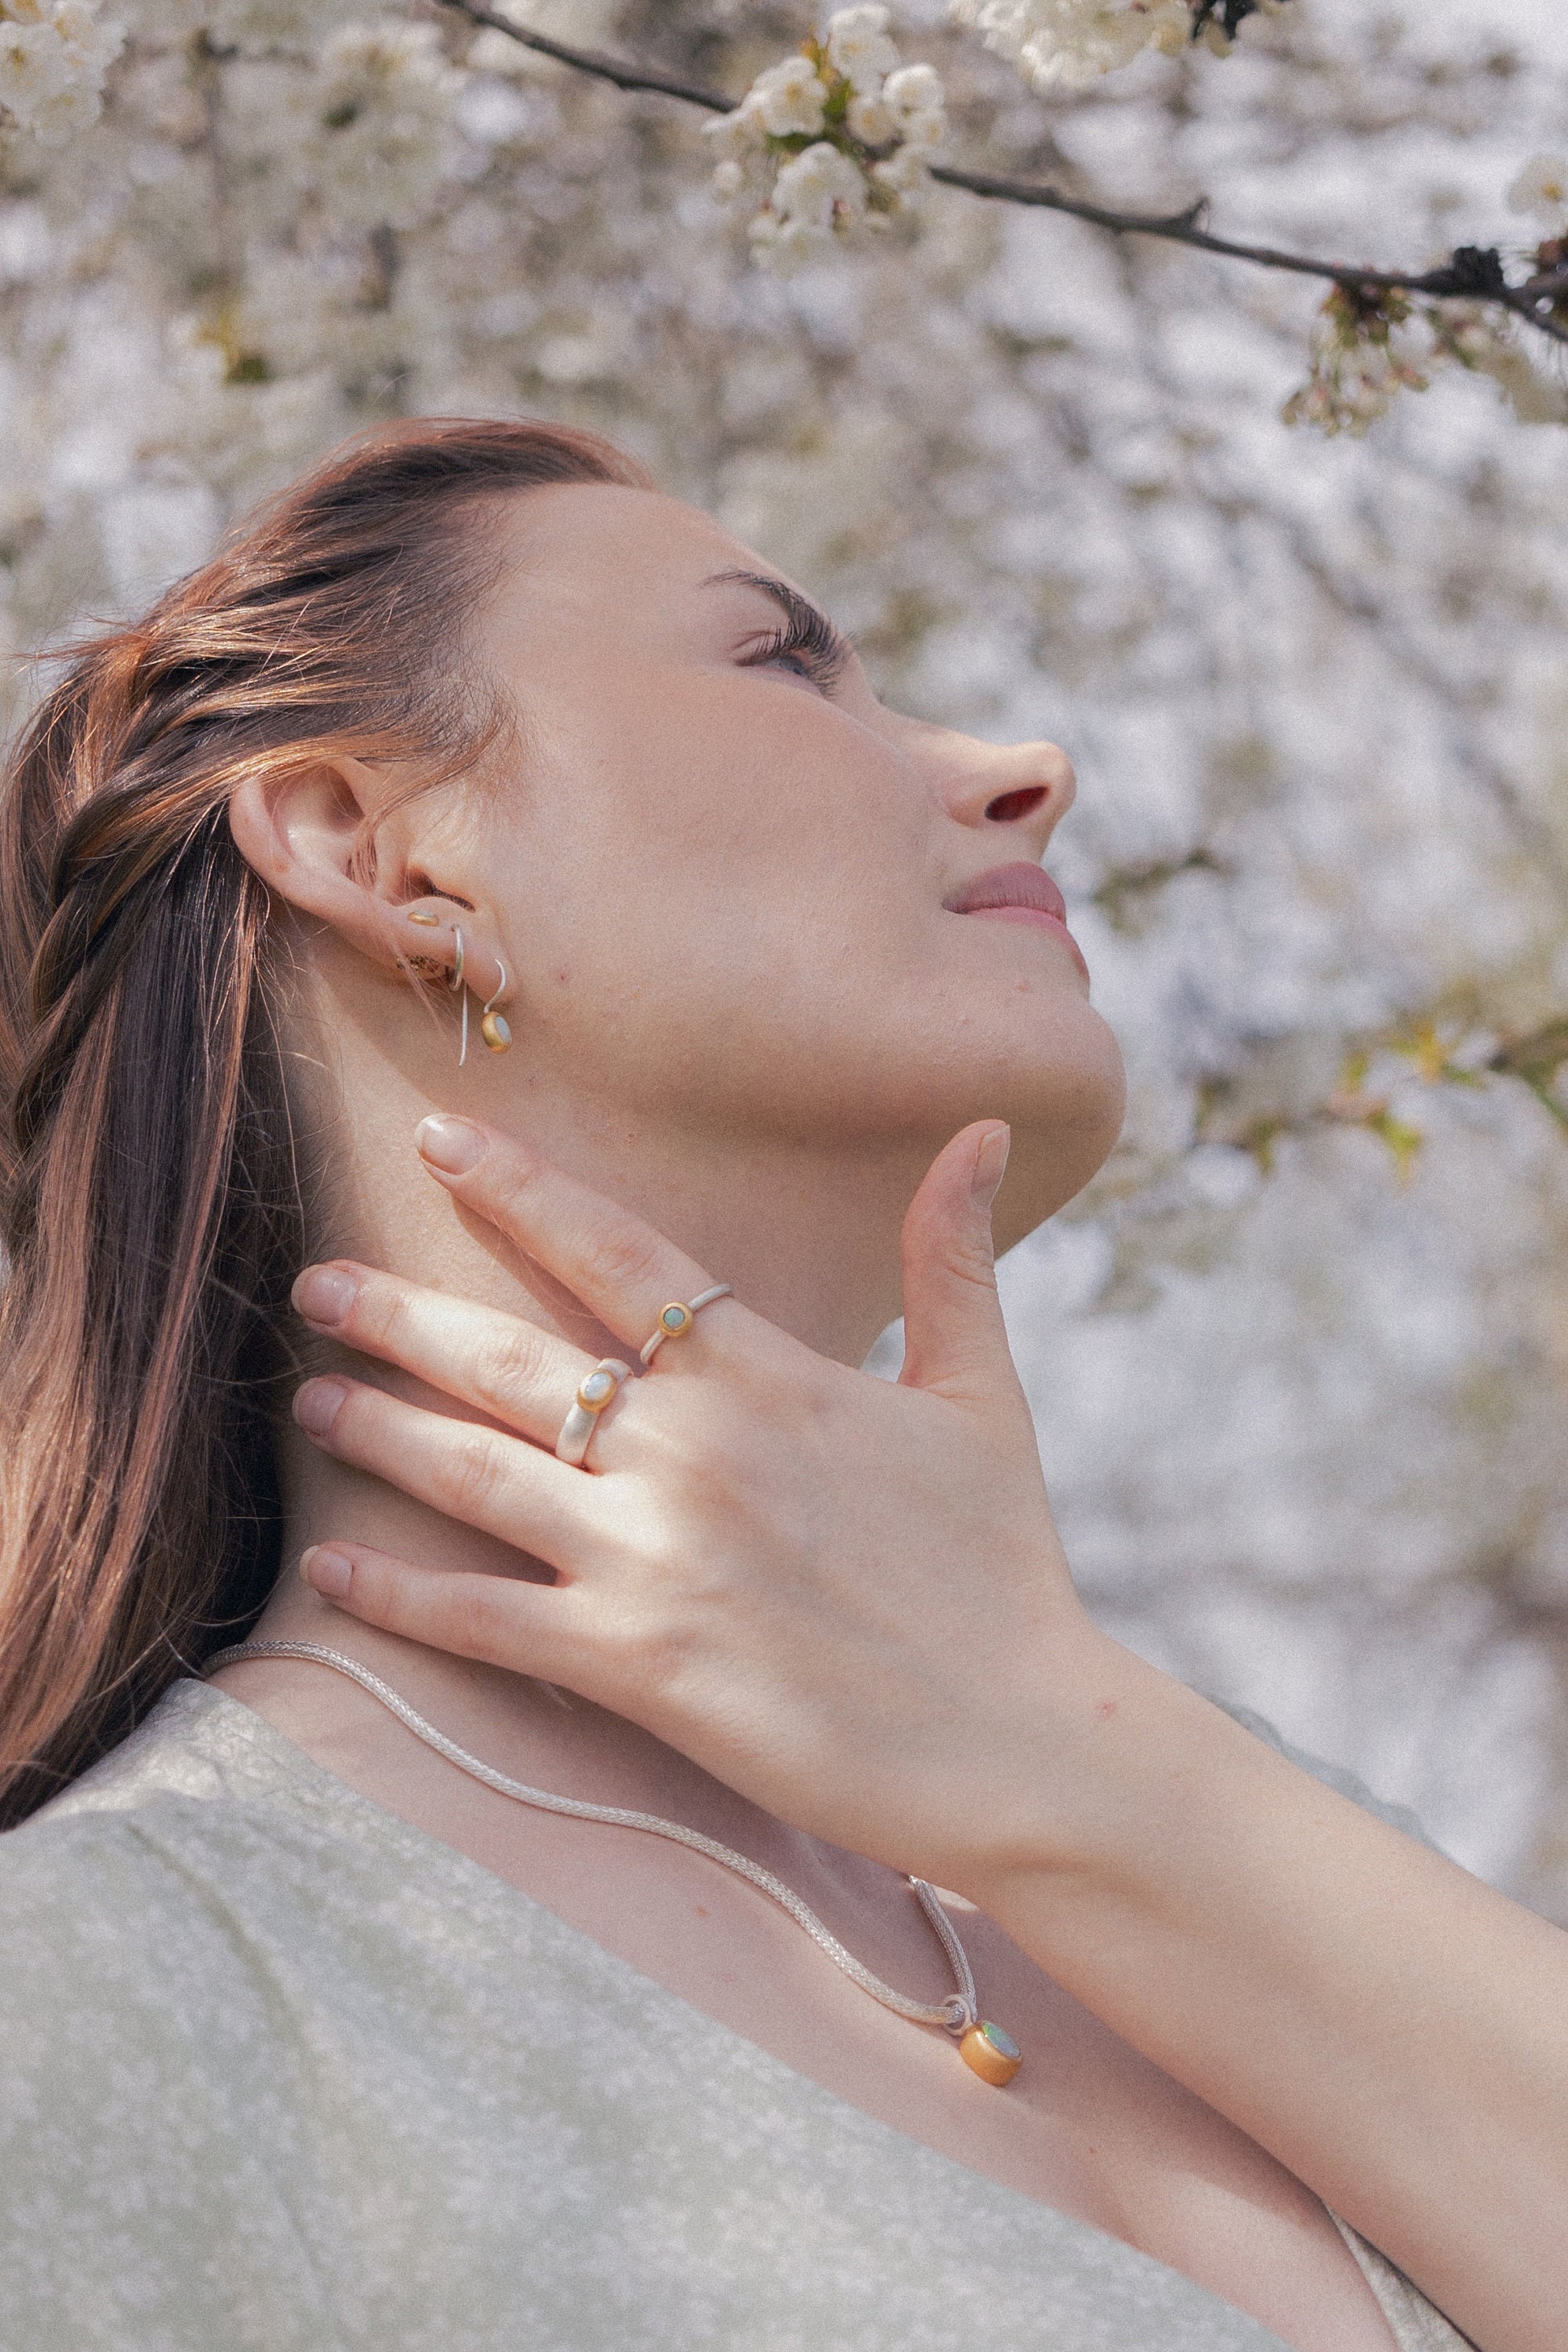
x: 494, y: 1027
x: 427, y: 966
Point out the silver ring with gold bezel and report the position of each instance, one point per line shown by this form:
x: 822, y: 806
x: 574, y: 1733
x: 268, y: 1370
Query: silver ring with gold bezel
x: 596, y: 1391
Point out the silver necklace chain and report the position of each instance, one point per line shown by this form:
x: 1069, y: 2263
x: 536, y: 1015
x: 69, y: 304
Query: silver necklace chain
x: 958, y: 2013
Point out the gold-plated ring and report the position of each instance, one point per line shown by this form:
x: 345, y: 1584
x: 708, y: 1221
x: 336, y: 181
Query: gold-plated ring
x: 596, y: 1391
x: 677, y: 1319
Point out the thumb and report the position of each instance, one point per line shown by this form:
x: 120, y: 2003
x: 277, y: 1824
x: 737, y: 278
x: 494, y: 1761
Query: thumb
x: 953, y: 1334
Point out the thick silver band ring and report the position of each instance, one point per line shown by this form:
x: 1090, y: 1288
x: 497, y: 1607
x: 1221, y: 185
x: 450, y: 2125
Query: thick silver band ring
x: 677, y: 1319
x: 595, y: 1389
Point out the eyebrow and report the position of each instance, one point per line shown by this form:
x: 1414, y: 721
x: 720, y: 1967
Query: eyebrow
x: 800, y: 612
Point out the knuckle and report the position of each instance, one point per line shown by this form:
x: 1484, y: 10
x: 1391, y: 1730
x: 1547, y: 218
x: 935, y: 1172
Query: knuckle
x: 507, y: 1365
x: 381, y: 1314
x: 481, y: 1626
x: 473, y: 1473
x: 511, y: 1183
x: 623, y: 1258
x: 973, y: 1263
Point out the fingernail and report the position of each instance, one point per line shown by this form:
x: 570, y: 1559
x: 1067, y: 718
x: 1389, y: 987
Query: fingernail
x: 316, y: 1406
x: 327, y: 1571
x: 452, y: 1145
x: 324, y: 1294
x: 990, y: 1165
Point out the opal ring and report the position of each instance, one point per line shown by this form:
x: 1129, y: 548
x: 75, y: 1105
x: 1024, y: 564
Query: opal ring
x: 595, y: 1389
x: 677, y: 1319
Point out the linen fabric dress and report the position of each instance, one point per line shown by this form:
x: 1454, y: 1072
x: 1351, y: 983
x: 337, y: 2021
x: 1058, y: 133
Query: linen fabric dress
x: 279, y: 2072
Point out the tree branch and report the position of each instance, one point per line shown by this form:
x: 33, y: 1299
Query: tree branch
x: 624, y: 75
x: 1471, y: 273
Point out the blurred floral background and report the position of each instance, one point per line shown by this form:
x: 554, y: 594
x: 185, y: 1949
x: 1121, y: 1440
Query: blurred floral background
x: 1299, y: 1358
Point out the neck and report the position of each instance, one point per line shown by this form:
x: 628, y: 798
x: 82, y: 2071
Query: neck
x: 808, y: 1236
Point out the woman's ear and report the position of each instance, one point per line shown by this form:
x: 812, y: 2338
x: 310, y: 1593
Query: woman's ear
x: 304, y: 832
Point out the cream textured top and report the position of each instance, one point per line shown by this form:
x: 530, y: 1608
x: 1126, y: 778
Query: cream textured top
x: 280, y: 2073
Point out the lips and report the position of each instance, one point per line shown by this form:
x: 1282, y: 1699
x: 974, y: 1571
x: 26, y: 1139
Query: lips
x: 1011, y: 885
x: 1019, y: 893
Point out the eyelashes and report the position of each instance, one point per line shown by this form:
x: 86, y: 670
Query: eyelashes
x: 814, y: 642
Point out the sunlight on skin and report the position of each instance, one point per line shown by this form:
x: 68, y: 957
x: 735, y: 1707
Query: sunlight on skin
x: 722, y: 882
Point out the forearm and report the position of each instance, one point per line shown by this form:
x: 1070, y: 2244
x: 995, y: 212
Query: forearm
x: 1391, y: 2028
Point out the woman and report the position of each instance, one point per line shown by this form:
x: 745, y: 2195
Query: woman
x: 489, y: 888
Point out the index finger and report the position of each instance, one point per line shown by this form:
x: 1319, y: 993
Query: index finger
x: 619, y: 1265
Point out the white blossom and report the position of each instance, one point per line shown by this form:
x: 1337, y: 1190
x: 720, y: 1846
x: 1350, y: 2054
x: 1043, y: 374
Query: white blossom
x: 1357, y: 368
x: 859, y: 46
x: 1541, y: 191
x: 818, y: 195
x: 871, y: 119
x: 383, y: 114
x: 820, y: 185
x: 1071, y: 43
x: 786, y: 99
x: 915, y: 98
x: 1490, y: 346
x: 54, y: 55
x: 831, y: 187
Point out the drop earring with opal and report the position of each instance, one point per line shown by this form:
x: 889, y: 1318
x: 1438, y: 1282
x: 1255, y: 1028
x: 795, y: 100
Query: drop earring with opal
x: 494, y: 1027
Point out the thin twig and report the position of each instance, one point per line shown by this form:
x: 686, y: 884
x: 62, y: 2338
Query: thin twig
x: 596, y: 61
x: 1471, y: 273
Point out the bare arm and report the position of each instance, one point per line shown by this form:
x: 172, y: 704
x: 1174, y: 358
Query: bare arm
x: 1394, y: 2031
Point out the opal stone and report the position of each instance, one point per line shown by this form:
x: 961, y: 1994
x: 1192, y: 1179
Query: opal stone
x: 598, y: 1388
x: 674, y: 1319
x: 990, y: 2054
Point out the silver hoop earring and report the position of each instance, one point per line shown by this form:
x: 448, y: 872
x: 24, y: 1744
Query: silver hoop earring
x: 460, y: 988
x: 494, y: 1027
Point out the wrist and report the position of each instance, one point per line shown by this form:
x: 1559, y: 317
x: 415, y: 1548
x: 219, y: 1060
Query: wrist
x: 1104, y: 1790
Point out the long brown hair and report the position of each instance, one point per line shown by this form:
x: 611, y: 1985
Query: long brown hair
x: 150, y: 1199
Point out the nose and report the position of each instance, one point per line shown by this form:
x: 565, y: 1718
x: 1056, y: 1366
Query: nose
x: 1018, y: 792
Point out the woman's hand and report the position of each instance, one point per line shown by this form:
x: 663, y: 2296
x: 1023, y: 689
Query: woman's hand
x: 844, y: 1598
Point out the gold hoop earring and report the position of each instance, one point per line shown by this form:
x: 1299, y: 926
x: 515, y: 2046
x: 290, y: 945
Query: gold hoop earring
x: 494, y: 1027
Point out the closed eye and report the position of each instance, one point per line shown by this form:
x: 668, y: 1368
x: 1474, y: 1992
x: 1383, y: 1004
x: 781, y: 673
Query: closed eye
x: 819, y: 655
x: 805, y: 640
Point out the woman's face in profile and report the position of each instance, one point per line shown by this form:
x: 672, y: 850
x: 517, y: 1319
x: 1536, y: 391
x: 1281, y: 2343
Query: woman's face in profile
x: 728, y: 880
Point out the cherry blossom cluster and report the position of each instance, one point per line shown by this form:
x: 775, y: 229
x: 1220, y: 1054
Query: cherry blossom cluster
x: 1364, y: 350
x: 54, y: 55
x: 838, y: 138
x: 1066, y: 44
x: 1356, y: 366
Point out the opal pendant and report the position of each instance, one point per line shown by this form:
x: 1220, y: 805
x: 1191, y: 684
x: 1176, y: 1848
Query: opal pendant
x: 496, y: 1031
x: 993, y: 2054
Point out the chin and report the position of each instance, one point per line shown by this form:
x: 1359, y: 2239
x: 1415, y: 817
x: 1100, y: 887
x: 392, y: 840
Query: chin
x: 1066, y: 1119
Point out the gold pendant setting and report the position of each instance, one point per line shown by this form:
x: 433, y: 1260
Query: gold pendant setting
x: 990, y: 2054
